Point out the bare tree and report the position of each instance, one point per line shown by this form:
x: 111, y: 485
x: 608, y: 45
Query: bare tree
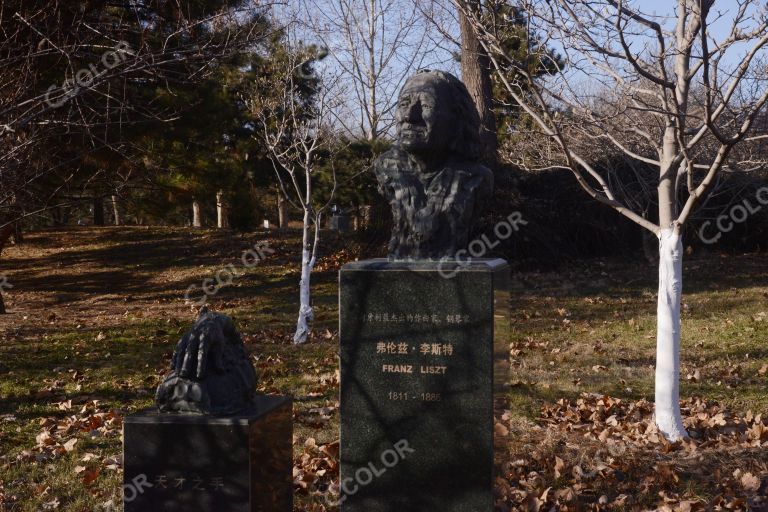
x: 296, y: 128
x: 70, y: 75
x: 68, y: 93
x: 376, y: 45
x: 697, y: 95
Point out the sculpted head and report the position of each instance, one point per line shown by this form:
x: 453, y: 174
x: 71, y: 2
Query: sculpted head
x: 436, y: 114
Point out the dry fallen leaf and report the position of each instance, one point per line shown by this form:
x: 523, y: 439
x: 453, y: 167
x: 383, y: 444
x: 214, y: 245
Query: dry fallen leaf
x: 51, y: 505
x: 750, y: 482
x: 90, y: 476
x: 45, y: 439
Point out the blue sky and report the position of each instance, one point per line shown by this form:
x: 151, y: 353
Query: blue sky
x: 665, y: 8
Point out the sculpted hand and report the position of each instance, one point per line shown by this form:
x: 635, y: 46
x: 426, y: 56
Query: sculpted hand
x: 211, y: 370
x: 195, y: 353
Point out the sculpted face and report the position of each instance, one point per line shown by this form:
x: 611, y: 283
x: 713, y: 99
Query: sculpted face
x: 424, y: 119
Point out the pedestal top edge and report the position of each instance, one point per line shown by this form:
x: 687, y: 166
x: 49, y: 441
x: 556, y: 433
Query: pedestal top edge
x: 468, y: 265
x: 262, y: 405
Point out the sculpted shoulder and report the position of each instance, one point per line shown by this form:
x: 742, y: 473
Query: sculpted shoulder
x: 478, y: 173
x: 392, y: 156
x: 389, y: 163
x: 473, y: 168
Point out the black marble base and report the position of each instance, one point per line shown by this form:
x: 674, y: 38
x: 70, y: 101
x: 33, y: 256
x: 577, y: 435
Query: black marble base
x: 192, y: 463
x: 424, y: 348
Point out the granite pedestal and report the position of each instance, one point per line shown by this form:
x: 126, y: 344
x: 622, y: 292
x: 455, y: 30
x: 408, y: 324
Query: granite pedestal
x: 194, y: 463
x: 424, y: 350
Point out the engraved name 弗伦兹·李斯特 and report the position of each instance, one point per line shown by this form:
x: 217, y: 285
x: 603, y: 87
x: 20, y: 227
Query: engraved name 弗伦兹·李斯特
x: 425, y: 349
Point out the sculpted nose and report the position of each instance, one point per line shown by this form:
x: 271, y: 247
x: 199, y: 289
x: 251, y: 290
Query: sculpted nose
x: 414, y: 113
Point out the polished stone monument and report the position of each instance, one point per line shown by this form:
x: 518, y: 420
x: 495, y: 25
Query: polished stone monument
x: 424, y: 334
x: 211, y: 444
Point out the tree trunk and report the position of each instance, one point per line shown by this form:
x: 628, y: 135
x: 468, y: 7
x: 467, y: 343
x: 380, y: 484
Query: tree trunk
x: 98, y: 211
x: 667, y: 409
x: 373, y: 73
x: 197, y: 221
x: 60, y: 215
x: 18, y: 234
x: 116, y: 211
x: 306, y: 313
x: 476, y: 75
x: 282, y: 210
x: 668, y: 417
x: 222, y: 212
x: 5, y: 234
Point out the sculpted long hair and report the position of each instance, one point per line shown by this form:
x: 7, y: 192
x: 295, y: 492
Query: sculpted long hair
x: 466, y: 141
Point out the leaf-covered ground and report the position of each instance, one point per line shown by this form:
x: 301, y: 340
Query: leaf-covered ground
x: 95, y: 314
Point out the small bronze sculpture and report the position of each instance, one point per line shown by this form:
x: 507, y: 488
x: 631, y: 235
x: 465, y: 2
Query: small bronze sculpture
x: 211, y: 371
x: 431, y: 177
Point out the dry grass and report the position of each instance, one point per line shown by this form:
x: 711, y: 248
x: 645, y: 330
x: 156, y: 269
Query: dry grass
x: 96, y: 314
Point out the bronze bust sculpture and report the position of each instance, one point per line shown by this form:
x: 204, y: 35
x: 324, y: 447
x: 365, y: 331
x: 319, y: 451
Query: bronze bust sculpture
x: 431, y: 177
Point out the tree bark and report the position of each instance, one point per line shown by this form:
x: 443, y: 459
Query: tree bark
x: 668, y: 417
x: 98, y: 211
x: 116, y: 211
x: 18, y: 234
x: 476, y: 75
x: 5, y: 234
x: 197, y: 221
x: 222, y: 211
x: 306, y: 313
x: 282, y: 210
x: 60, y: 215
x: 667, y: 383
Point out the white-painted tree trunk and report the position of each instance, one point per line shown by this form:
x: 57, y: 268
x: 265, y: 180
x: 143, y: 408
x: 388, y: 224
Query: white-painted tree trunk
x: 197, y: 221
x: 222, y: 211
x: 116, y: 211
x: 668, y: 418
x: 306, y: 313
x: 282, y: 211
